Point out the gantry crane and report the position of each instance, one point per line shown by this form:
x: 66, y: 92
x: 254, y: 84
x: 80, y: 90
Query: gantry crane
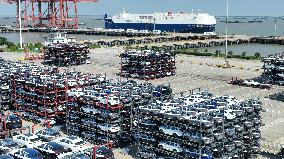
x: 61, y: 14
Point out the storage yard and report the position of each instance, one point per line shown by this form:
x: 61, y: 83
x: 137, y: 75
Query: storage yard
x: 193, y: 73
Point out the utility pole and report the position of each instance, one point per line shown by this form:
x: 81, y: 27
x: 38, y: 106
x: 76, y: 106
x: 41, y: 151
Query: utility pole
x: 20, y: 24
x: 275, y: 26
x: 226, y: 47
x: 154, y: 23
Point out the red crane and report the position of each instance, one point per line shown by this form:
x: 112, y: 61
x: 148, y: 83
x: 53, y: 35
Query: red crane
x: 61, y: 14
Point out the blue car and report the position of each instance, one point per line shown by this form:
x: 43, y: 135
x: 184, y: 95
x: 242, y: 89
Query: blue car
x: 27, y: 153
x: 193, y: 153
x: 81, y: 156
x: 6, y: 157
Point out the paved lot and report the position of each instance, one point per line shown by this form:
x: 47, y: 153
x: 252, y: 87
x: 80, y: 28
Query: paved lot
x: 201, y: 72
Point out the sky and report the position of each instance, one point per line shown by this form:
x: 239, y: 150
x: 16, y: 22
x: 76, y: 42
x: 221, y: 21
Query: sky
x: 214, y: 7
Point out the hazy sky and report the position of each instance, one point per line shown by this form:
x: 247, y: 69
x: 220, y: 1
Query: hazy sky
x: 214, y: 7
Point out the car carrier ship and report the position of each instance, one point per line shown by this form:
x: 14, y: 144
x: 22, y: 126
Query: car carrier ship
x: 166, y: 22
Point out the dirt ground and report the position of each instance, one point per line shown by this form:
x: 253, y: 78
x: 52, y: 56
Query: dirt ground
x: 201, y: 72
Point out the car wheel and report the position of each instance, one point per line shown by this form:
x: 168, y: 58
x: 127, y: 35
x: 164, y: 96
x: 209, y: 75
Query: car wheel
x: 174, y: 150
x: 160, y: 147
x: 175, y: 135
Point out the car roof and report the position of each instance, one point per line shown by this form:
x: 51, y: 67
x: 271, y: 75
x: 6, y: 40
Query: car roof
x: 7, y: 140
x: 31, y: 151
x: 53, y: 144
x: 30, y: 135
x: 73, y: 138
x: 5, y: 157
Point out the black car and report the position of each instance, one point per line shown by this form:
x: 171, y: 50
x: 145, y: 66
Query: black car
x: 13, y: 121
x: 7, y: 145
x: 104, y: 152
x: 47, y: 134
x: 148, y: 125
x: 147, y: 139
x: 89, y: 135
x: 81, y: 156
x: 72, y: 117
x: 51, y: 150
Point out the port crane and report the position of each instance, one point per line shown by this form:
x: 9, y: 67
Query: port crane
x: 61, y: 14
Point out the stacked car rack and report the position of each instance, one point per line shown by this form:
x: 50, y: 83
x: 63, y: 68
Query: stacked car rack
x: 211, y: 128
x: 147, y: 64
x: 66, y: 54
x: 5, y: 92
x: 100, y: 119
x: 274, y: 69
x: 101, y: 110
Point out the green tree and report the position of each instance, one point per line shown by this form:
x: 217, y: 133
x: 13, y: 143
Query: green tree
x: 230, y: 53
x: 217, y: 52
x: 4, y: 41
x: 257, y: 55
x: 205, y: 50
x: 244, y: 54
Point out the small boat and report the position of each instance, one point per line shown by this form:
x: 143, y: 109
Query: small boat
x: 83, y: 23
x: 255, y: 21
x: 56, y: 38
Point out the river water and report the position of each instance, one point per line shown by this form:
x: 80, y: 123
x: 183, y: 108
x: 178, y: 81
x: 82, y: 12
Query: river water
x: 266, y: 28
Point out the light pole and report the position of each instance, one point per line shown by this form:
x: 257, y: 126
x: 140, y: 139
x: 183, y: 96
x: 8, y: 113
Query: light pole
x: 226, y: 45
x: 20, y: 24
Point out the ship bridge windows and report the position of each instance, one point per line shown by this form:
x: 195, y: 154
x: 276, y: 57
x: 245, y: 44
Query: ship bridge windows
x: 145, y: 17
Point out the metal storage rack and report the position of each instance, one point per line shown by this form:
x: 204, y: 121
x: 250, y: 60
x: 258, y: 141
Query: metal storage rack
x: 274, y: 69
x: 66, y: 54
x: 147, y: 64
x: 238, y: 138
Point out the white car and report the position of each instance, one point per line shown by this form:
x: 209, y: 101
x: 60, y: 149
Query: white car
x: 72, y: 83
x: 75, y: 92
x: 109, y: 127
x: 251, y: 83
x: 90, y: 109
x: 51, y: 121
x: 5, y: 86
x: 169, y: 145
x: 88, y: 62
x: 170, y: 130
x: 229, y: 114
x: 82, y: 81
x: 73, y: 143
x: 29, y: 140
x: 111, y: 100
x: 101, y: 78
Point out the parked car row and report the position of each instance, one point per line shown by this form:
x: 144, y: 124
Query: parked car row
x: 250, y: 83
x: 48, y: 143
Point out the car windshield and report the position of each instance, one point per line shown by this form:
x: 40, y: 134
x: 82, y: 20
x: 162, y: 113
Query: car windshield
x: 79, y: 143
x: 81, y: 156
x: 35, y: 139
x: 51, y: 132
x: 56, y: 147
x: 34, y: 154
x: 12, y: 117
x: 104, y: 150
x: 9, y: 143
